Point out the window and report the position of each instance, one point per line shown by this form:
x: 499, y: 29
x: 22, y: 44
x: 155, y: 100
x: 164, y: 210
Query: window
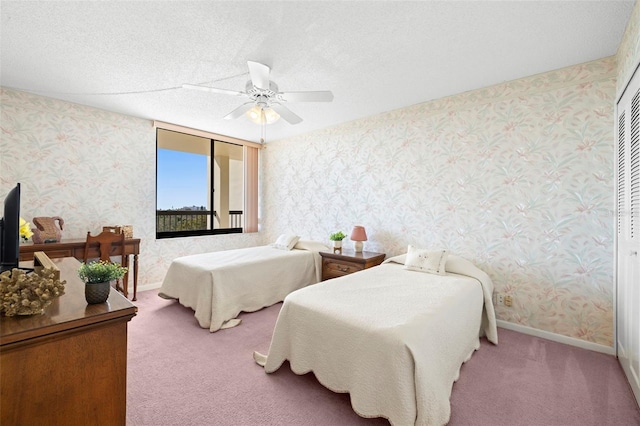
x: 203, y: 185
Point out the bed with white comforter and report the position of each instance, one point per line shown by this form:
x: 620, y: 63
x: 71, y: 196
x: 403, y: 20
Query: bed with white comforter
x: 395, y: 339
x: 220, y: 285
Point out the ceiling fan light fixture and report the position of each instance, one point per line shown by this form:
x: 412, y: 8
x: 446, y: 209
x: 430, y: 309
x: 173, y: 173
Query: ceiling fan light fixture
x: 255, y: 115
x: 265, y: 101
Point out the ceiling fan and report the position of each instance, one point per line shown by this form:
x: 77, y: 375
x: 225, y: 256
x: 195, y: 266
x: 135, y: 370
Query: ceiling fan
x: 264, y: 96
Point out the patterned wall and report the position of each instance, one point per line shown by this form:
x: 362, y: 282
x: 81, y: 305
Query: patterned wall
x: 629, y: 51
x: 516, y: 177
x: 92, y: 168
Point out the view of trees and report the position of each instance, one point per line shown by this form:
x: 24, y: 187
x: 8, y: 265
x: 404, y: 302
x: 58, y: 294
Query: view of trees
x: 190, y: 219
x: 181, y: 220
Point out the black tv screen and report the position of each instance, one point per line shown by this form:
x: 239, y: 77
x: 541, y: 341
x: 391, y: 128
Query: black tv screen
x: 10, y: 231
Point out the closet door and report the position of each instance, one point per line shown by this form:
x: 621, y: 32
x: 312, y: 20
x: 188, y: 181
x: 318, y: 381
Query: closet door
x: 628, y: 233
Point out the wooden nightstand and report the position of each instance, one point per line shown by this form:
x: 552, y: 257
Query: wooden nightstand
x: 337, y: 265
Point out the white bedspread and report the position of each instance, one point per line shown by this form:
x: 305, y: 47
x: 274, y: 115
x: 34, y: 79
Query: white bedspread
x: 394, y: 339
x: 220, y: 285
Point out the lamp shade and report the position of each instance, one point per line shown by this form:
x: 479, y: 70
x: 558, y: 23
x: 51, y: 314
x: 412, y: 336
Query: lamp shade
x: 358, y: 234
x: 260, y: 115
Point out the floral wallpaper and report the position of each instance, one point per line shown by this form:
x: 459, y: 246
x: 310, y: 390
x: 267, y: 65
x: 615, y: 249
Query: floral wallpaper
x: 516, y: 177
x: 629, y: 50
x: 92, y: 168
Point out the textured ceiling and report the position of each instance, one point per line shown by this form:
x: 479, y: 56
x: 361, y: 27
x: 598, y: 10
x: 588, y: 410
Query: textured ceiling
x: 132, y: 57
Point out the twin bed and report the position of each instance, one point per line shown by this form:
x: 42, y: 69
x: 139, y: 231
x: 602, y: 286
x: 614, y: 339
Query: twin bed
x: 394, y: 339
x: 393, y: 336
x: 220, y: 285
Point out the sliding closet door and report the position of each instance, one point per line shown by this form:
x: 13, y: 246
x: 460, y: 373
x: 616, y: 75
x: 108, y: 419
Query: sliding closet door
x: 628, y: 232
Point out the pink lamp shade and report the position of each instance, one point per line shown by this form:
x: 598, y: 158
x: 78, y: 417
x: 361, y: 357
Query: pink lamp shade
x: 358, y: 235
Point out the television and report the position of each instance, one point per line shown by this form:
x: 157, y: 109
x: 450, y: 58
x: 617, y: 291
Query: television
x: 10, y: 231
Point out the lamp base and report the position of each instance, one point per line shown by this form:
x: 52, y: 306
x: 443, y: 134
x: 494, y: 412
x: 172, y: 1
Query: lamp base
x: 358, y: 246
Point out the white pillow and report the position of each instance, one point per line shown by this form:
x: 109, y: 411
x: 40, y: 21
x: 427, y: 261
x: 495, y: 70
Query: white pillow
x: 431, y: 261
x: 311, y: 246
x: 286, y: 241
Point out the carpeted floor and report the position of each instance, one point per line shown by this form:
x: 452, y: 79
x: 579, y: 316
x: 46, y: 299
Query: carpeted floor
x: 181, y: 374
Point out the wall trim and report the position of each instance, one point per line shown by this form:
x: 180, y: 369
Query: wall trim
x: 146, y: 287
x: 15, y: 98
x: 572, y: 341
x: 596, y: 71
x: 204, y: 134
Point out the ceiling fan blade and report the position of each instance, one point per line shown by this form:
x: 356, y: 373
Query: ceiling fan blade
x: 286, y: 113
x: 238, y: 112
x: 213, y: 90
x: 320, y: 96
x: 259, y: 74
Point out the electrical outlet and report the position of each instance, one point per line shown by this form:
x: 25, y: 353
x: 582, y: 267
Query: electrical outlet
x: 503, y: 300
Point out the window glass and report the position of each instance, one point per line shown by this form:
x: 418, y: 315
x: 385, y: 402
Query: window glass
x: 228, y: 185
x: 199, y: 186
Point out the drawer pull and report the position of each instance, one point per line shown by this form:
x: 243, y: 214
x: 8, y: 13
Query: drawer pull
x: 345, y: 269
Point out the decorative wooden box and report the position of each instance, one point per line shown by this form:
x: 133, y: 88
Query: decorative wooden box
x: 127, y: 230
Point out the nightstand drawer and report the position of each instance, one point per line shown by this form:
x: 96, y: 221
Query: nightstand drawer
x: 332, y: 267
x: 347, y: 262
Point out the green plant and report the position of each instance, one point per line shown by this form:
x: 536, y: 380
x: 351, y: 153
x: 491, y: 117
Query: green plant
x: 337, y: 236
x: 99, y: 272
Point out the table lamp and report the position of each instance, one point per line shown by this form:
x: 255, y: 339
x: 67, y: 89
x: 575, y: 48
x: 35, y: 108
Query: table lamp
x: 358, y: 235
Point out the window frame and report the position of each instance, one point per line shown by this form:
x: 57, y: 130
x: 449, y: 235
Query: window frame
x: 211, y: 216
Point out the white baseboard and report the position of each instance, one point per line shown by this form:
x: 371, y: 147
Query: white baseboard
x: 609, y: 350
x: 501, y: 323
x: 151, y: 286
x: 631, y: 375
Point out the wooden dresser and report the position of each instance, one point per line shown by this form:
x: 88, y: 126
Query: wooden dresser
x: 338, y: 264
x: 68, y: 365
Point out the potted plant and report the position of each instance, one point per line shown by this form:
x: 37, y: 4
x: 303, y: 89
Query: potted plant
x: 98, y: 277
x: 337, y: 238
